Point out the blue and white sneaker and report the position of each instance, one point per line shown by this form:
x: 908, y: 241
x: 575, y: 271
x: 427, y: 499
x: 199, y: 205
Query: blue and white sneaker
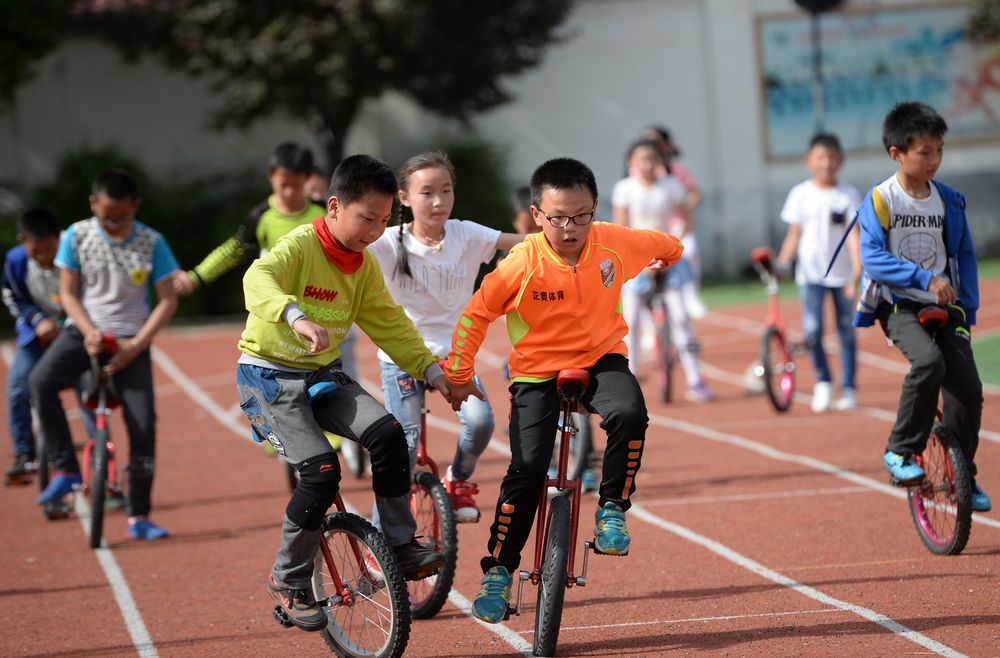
x: 980, y: 501
x: 143, y: 528
x: 902, y: 468
x: 59, y: 486
x: 492, y: 602
x: 610, y: 534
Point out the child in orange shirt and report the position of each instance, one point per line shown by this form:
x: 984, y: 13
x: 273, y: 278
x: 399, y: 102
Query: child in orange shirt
x: 560, y: 290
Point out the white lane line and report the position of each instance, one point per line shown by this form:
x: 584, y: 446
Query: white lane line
x: 780, y: 579
x: 141, y: 639
x: 163, y: 360
x: 658, y: 622
x: 769, y: 495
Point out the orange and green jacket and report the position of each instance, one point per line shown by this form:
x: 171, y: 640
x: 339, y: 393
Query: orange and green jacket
x: 558, y: 315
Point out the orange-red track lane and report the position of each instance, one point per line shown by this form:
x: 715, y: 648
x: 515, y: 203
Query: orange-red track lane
x: 754, y: 533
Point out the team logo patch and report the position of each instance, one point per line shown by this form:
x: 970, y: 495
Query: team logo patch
x: 607, y: 272
x: 406, y: 385
x: 138, y: 276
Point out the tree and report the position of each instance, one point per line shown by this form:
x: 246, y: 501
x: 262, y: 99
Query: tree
x: 320, y: 59
x: 28, y: 31
x: 984, y: 23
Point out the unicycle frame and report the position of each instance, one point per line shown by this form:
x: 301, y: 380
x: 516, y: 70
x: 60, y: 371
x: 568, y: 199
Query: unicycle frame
x: 343, y: 593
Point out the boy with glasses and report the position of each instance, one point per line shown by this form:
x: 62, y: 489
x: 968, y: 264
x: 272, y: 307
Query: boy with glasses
x: 560, y: 290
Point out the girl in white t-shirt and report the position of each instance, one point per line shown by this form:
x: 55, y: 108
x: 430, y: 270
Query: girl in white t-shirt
x: 648, y: 199
x: 818, y: 211
x: 430, y: 265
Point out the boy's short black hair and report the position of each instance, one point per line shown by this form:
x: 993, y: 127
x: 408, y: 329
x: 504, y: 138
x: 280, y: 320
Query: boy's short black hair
x: 645, y: 143
x: 38, y: 223
x: 357, y: 175
x: 827, y: 141
x: 907, y: 121
x: 116, y: 184
x: 291, y: 157
x: 562, y: 174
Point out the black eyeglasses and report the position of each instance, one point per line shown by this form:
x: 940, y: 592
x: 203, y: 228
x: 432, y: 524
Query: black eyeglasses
x: 561, y: 221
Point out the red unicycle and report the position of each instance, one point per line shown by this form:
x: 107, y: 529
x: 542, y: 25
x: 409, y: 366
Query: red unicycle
x: 776, y: 366
x: 941, y: 504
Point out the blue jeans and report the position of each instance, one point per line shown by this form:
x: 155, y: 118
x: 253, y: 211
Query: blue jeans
x: 812, y: 326
x: 404, y: 398
x: 19, y: 399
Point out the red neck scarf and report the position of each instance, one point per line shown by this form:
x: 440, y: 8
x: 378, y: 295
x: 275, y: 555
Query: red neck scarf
x: 346, y: 260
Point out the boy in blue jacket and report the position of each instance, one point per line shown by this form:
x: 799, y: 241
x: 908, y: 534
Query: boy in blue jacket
x: 916, y: 251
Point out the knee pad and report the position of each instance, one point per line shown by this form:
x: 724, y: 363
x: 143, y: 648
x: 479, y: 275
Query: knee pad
x: 319, y: 480
x: 386, y: 443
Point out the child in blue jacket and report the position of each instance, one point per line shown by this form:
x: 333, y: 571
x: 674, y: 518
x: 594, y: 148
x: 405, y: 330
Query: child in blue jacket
x: 916, y: 251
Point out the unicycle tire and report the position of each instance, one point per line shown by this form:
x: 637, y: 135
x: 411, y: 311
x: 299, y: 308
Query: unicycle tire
x: 436, y: 529
x: 778, y: 369
x: 552, y: 584
x: 941, y: 505
x: 98, y: 484
x: 377, y: 623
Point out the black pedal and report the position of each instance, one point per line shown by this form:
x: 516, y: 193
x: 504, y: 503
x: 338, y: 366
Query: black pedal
x: 56, y: 511
x: 281, y: 617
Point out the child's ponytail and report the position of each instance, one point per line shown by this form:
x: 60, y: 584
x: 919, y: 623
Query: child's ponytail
x: 402, y: 259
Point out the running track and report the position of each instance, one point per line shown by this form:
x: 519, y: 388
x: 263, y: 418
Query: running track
x: 753, y: 533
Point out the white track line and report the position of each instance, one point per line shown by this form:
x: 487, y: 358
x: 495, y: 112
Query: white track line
x: 657, y: 622
x: 141, y: 639
x: 757, y: 496
x: 780, y: 579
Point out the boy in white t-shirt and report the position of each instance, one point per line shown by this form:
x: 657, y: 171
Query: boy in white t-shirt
x: 646, y: 199
x: 817, y: 212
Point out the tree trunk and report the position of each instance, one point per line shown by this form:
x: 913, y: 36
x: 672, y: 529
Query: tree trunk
x: 332, y: 123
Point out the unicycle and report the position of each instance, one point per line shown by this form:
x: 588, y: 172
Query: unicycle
x: 776, y: 366
x: 99, y: 473
x: 556, y: 527
x: 436, y: 529
x: 941, y: 504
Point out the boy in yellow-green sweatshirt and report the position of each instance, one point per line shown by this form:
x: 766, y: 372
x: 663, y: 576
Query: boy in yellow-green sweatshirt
x: 303, y: 296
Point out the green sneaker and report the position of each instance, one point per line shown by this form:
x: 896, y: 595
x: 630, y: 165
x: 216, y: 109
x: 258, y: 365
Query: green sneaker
x: 610, y: 534
x: 492, y: 601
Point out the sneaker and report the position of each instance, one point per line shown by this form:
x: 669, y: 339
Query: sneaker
x: 20, y: 472
x: 822, y: 396
x: 143, y: 528
x: 610, y: 534
x: 417, y: 561
x: 299, y: 605
x: 694, y: 306
x: 373, y: 568
x: 462, y: 501
x: 492, y: 602
x: 700, y: 393
x: 980, y: 501
x: 902, y: 468
x: 848, y: 400
x: 589, y: 481
x: 60, y: 485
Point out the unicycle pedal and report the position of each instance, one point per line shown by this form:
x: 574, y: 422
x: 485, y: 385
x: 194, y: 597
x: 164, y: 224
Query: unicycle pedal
x: 896, y: 482
x: 19, y: 480
x: 281, y: 617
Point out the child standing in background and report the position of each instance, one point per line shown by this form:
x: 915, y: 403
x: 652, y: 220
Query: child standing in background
x: 817, y: 212
x: 430, y: 265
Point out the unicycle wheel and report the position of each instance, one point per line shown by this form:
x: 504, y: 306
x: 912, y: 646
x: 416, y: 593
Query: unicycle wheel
x: 941, y: 505
x: 778, y: 368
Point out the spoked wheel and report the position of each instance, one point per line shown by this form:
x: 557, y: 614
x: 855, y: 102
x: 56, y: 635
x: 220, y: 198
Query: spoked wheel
x: 431, y: 507
x: 375, y: 623
x: 552, y: 586
x: 941, y: 505
x: 98, y: 484
x: 778, y: 369
x: 355, y: 458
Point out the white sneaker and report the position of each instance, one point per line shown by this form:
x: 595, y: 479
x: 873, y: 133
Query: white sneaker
x: 822, y: 396
x: 694, y: 306
x: 848, y: 400
x: 463, y: 500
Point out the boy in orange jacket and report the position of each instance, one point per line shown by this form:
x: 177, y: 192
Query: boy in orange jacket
x: 561, y: 292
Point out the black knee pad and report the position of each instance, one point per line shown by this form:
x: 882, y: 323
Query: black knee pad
x: 319, y: 479
x: 386, y: 443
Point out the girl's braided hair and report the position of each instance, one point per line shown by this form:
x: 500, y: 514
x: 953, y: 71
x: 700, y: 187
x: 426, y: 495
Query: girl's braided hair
x: 424, y: 160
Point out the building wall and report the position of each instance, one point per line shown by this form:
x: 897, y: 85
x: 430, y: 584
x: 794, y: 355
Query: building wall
x: 691, y: 65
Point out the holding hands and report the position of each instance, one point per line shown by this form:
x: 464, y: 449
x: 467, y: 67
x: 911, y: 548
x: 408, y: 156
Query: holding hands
x: 461, y: 392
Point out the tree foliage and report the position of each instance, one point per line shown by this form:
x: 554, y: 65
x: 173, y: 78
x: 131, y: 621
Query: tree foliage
x: 29, y: 29
x: 984, y: 23
x: 320, y: 59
